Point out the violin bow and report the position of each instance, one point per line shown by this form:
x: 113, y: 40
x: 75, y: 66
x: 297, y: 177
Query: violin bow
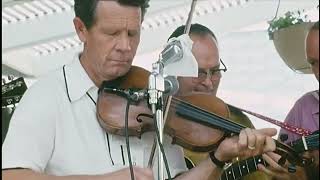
x: 190, y: 16
x: 186, y: 31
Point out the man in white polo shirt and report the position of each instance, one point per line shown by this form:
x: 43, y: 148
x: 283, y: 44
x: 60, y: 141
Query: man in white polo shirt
x: 54, y: 133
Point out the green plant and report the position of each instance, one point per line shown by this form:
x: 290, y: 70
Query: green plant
x: 290, y: 18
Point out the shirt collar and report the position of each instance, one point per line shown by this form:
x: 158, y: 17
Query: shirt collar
x: 316, y: 94
x: 77, y: 80
x: 315, y: 109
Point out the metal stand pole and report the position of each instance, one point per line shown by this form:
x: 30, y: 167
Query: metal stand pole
x: 160, y: 155
x: 156, y: 89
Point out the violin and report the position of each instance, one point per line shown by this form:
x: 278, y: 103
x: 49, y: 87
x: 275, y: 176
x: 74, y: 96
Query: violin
x: 197, y: 122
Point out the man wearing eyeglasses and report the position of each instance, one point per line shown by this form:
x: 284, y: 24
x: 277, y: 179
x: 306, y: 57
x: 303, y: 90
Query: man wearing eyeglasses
x: 205, y: 50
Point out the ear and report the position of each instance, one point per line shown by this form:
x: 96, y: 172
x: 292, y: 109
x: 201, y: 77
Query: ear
x: 80, y: 29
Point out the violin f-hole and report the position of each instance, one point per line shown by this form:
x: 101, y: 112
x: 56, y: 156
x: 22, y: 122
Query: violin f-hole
x: 143, y: 115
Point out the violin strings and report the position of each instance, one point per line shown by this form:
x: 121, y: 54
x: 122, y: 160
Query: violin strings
x: 216, y: 119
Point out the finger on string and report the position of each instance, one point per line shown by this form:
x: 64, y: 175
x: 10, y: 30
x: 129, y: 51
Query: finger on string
x: 272, y: 161
x: 268, y: 131
x: 260, y: 140
x: 266, y: 170
x: 270, y: 145
x: 251, y: 138
x: 243, y: 141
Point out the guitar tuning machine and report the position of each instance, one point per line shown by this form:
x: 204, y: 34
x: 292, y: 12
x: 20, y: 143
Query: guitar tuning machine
x: 10, y: 77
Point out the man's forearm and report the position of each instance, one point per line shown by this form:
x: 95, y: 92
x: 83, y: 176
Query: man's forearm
x: 26, y: 174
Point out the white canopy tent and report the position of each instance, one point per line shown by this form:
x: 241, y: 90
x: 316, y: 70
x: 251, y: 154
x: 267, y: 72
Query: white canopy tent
x: 38, y: 37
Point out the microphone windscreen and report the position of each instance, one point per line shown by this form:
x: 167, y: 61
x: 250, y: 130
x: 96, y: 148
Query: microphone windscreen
x: 171, y: 85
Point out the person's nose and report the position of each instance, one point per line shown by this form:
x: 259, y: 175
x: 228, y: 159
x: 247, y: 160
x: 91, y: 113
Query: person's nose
x: 208, y: 82
x: 123, y: 43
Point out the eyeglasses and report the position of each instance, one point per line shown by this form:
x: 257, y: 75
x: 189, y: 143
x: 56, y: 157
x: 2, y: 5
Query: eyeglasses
x: 204, y: 74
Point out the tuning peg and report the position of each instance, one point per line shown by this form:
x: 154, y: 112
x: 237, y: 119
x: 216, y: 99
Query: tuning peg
x: 292, y: 168
x: 283, y: 137
x: 10, y: 77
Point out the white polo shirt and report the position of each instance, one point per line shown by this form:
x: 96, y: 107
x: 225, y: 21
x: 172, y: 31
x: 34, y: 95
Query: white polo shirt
x: 54, y: 130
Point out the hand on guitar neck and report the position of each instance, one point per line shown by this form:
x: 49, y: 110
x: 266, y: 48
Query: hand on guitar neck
x: 280, y: 172
x: 309, y: 145
x: 241, y: 144
x: 310, y: 172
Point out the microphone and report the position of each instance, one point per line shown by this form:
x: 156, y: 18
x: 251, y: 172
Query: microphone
x: 173, y: 52
x: 171, y: 85
x: 178, y: 53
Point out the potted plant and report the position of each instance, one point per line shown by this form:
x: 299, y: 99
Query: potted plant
x: 288, y: 34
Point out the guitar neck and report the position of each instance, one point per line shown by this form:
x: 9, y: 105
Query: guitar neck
x: 242, y: 168
x: 12, y: 92
x: 11, y: 100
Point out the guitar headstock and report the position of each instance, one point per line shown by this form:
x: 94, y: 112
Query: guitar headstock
x: 290, y: 153
x: 12, y: 90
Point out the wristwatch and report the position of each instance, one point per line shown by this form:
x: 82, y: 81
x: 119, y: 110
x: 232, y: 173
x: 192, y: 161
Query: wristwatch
x: 218, y: 163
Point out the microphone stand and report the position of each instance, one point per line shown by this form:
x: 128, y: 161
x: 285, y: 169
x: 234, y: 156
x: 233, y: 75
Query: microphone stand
x: 155, y: 91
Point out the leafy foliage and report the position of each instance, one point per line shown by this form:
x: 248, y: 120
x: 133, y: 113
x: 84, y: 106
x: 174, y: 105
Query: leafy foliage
x: 290, y: 18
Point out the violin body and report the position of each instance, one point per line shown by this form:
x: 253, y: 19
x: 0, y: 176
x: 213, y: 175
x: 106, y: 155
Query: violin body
x: 111, y: 108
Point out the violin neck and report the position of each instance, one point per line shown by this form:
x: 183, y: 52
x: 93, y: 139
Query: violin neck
x: 201, y: 116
